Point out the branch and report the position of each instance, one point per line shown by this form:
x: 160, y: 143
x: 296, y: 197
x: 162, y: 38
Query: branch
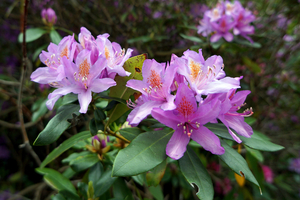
x: 26, y: 143
x: 9, y: 82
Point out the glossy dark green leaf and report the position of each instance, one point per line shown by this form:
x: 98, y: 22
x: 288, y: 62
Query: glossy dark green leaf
x: 155, y: 175
x: 104, y: 183
x: 31, y: 34
x: 75, y: 155
x: 121, y: 191
x: 42, y: 110
x: 191, y: 38
x: 93, y: 127
x: 67, y: 144
x: 69, y: 195
x: 195, y: 173
x: 69, y: 98
x: 54, y: 36
x: 145, y: 152
x: 220, y: 130
x: 130, y: 133
x: 255, y: 153
x: 237, y: 163
x: 57, y: 125
x: 56, y: 180
x: 140, y: 179
x: 84, y: 162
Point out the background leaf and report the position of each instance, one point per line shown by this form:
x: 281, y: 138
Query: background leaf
x: 32, y: 34
x: 65, y: 146
x: 56, y: 180
x: 104, y: 183
x: 145, y: 152
x: 130, y: 133
x: 54, y: 36
x: 195, y: 173
x: 84, y: 162
x: 155, y: 175
x: 57, y: 125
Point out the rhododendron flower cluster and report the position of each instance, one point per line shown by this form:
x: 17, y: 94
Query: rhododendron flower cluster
x: 81, y: 68
x: 187, y: 94
x: 226, y: 18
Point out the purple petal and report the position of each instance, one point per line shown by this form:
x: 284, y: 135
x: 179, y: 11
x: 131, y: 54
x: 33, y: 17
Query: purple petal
x: 238, y: 124
x: 177, y: 144
x: 84, y: 99
x: 167, y: 118
x: 44, y: 75
x: 100, y: 85
x: 208, y: 140
x: 233, y: 135
x: 185, y: 100
x: 141, y: 112
x: 215, y: 37
x: 228, y: 37
x: 137, y: 85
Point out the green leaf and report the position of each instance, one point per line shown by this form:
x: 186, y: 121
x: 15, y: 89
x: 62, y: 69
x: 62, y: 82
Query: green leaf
x: 95, y: 173
x: 84, y: 162
x: 104, y: 183
x: 40, y: 111
x: 73, y: 156
x: 121, y: 190
x: 97, y: 122
x: 32, y: 34
x: 220, y: 130
x: 157, y: 192
x: 145, y: 152
x: 130, y: 133
x: 58, y: 197
x: 255, y: 153
x: 57, y: 125
x: 69, y: 98
x: 65, y: 146
x: 134, y: 66
x: 38, y: 51
x: 90, y: 192
x: 140, y: 179
x: 195, y: 173
x: 56, y: 180
x: 192, y: 38
x: 247, y: 43
x: 237, y: 163
x: 260, y: 143
x: 155, y: 175
x: 253, y: 66
x: 54, y: 36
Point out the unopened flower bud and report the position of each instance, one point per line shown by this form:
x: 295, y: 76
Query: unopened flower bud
x: 48, y: 16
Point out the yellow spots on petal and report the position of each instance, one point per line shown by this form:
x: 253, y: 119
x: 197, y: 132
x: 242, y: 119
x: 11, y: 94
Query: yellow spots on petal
x: 154, y: 79
x: 106, y: 52
x: 195, y: 69
x: 185, y: 107
x: 65, y: 52
x: 84, y: 69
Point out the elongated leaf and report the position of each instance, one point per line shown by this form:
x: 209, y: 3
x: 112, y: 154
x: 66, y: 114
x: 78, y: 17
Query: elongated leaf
x: 121, y: 190
x: 84, y: 162
x: 57, y: 125
x: 134, y: 66
x: 65, y: 146
x: 104, y: 183
x: 260, y: 144
x: 155, y: 175
x: 195, y: 173
x: 40, y: 111
x: 157, y: 192
x: 55, y: 37
x: 257, y: 141
x: 95, y: 173
x: 237, y: 163
x: 32, y: 34
x: 56, y: 180
x: 130, y: 133
x: 192, y: 38
x: 69, y: 98
x: 145, y: 152
x: 255, y: 153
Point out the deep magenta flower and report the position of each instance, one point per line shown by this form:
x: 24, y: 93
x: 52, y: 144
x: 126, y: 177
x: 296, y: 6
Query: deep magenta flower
x: 187, y: 120
x: 155, y: 89
x: 205, y: 76
x: 49, y: 16
x: 82, y: 79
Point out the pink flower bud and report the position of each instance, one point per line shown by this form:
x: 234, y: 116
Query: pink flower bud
x: 49, y: 16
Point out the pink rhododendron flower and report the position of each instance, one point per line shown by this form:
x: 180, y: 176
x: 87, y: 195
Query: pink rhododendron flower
x: 155, y: 89
x: 231, y: 103
x: 205, y: 76
x: 187, y: 120
x: 226, y: 18
x: 49, y: 16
